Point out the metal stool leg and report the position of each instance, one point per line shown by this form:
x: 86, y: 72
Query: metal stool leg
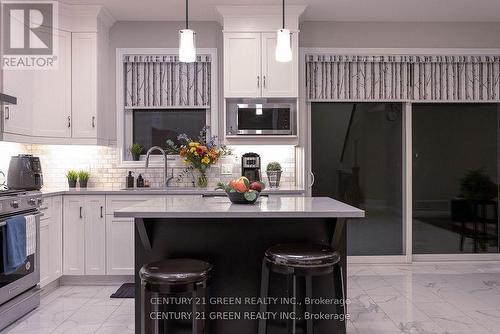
x: 198, y: 316
x: 309, y: 307
x: 264, y: 290
x: 338, y: 280
x: 291, y: 292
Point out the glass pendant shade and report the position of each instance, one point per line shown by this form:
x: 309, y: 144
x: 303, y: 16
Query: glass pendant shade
x: 187, y: 46
x: 283, y: 46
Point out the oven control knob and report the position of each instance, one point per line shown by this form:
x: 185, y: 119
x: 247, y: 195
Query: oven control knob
x: 32, y: 201
x: 14, y: 204
x: 39, y: 201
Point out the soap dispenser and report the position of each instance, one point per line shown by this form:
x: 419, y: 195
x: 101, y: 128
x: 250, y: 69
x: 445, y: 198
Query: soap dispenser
x: 130, y: 180
x: 140, y: 181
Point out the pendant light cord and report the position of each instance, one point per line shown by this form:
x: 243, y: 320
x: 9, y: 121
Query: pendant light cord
x: 283, y: 14
x: 187, y: 13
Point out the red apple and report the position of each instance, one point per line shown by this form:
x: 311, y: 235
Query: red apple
x: 257, y: 186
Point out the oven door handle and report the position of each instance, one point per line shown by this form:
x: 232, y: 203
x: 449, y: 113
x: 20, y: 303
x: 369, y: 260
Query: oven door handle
x: 37, y: 214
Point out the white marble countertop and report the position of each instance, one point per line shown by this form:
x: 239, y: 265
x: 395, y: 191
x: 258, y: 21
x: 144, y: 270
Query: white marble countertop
x: 161, y: 191
x: 221, y: 207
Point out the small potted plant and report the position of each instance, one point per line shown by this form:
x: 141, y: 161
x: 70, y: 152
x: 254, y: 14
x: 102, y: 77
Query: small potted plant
x: 274, y: 174
x: 136, y: 150
x: 72, y: 176
x: 83, y: 178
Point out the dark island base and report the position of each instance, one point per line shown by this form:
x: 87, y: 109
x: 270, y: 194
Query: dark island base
x: 235, y: 247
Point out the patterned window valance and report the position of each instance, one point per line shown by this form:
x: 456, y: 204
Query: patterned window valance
x: 163, y: 81
x: 427, y: 78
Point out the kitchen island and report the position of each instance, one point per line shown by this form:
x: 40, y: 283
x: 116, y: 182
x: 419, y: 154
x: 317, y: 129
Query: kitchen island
x: 233, y: 238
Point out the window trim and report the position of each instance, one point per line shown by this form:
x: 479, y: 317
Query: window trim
x: 121, y: 111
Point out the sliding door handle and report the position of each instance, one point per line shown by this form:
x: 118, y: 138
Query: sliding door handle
x: 312, y: 179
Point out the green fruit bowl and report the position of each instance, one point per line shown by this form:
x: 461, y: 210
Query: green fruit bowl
x: 242, y: 198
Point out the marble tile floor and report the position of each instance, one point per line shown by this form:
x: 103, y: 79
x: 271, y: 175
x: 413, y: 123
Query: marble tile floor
x: 451, y: 298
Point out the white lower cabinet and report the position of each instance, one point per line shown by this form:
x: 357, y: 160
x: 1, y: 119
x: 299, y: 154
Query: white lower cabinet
x: 119, y: 246
x: 84, y: 235
x: 51, y: 240
x: 120, y: 235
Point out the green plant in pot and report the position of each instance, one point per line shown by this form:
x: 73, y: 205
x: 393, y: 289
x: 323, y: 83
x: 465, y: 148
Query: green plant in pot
x: 83, y: 178
x: 72, y: 176
x: 477, y: 185
x: 274, y: 171
x: 136, y: 151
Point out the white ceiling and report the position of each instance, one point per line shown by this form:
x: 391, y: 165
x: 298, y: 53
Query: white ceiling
x: 317, y: 10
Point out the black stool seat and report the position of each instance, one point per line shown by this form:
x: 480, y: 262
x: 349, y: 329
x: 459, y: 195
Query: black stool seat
x: 175, y: 271
x: 302, y: 255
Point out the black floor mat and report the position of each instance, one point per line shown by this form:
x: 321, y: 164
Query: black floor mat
x: 127, y: 290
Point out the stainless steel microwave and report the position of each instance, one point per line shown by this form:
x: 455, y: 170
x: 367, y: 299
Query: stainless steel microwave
x: 254, y: 118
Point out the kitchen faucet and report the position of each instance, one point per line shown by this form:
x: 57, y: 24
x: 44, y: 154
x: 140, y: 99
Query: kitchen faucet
x: 166, y: 179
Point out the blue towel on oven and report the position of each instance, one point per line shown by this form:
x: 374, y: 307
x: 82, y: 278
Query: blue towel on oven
x: 14, y: 244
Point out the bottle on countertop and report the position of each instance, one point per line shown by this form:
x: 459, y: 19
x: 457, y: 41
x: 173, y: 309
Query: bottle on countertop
x: 140, y: 181
x: 130, y: 180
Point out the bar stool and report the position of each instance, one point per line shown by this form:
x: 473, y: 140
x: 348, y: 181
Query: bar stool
x: 173, y: 277
x: 304, y: 260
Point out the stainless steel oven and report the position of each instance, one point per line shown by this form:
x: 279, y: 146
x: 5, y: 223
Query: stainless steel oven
x: 19, y: 293
x: 261, y: 117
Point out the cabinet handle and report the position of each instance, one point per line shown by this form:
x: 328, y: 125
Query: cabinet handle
x: 101, y: 213
x: 81, y: 213
x: 264, y: 82
x: 7, y: 113
x: 258, y: 81
x: 69, y: 121
x: 93, y: 121
x: 312, y: 179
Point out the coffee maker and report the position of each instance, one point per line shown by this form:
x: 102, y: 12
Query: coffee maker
x: 250, y: 166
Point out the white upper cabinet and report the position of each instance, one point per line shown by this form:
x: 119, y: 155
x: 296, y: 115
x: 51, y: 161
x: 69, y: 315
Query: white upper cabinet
x: 251, y: 70
x: 250, y: 67
x: 84, y: 85
x: 67, y: 104
x: 278, y: 79
x: 17, y: 118
x: 242, y: 65
x: 52, y: 97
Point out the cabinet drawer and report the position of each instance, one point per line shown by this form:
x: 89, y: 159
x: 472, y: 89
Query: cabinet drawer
x: 46, y: 208
x: 117, y: 202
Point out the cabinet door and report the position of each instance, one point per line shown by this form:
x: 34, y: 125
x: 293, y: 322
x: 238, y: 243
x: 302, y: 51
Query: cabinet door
x: 45, y: 259
x: 52, y: 96
x: 18, y: 118
x: 74, y: 235
x: 278, y: 79
x: 242, y: 65
x: 84, y: 85
x: 56, y: 241
x: 119, y: 246
x: 95, y: 235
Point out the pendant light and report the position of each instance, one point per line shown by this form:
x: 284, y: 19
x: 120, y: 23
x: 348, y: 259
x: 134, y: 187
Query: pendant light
x: 283, y: 42
x: 187, y: 42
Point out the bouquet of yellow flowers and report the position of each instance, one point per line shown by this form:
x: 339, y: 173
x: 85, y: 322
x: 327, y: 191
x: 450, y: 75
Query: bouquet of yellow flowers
x: 199, y: 153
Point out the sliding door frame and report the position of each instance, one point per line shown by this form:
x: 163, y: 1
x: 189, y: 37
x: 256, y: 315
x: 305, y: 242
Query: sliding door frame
x: 304, y: 174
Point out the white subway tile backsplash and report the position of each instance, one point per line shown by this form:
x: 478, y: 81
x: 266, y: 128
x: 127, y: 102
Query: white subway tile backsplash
x: 103, y: 164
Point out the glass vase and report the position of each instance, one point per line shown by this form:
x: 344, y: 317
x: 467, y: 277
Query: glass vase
x: 202, y: 180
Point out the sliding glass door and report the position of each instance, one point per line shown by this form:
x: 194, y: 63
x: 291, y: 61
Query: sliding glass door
x: 357, y: 153
x: 455, y: 178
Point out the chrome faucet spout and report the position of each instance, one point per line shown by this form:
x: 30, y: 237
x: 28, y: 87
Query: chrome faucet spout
x: 166, y: 178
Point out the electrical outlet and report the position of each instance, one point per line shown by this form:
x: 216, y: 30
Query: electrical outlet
x: 226, y: 169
